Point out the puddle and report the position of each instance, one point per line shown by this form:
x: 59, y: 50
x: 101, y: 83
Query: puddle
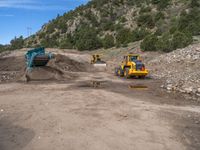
x: 138, y: 87
x: 93, y: 84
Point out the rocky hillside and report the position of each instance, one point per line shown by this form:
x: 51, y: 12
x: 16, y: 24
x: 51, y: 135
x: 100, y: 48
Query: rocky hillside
x: 165, y: 24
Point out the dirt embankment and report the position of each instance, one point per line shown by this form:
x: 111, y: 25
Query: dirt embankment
x: 60, y: 68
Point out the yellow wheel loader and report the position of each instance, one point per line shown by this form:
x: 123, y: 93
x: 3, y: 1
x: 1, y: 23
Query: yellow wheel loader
x: 131, y: 66
x: 98, y: 63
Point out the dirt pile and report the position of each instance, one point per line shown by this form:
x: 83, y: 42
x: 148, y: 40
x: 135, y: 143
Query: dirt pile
x: 65, y: 63
x: 180, y: 69
x: 11, y: 68
x: 60, y: 68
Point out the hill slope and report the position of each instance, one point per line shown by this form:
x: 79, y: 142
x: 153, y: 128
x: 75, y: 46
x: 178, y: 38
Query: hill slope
x: 109, y: 23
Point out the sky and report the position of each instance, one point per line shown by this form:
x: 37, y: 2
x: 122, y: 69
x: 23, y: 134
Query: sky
x: 25, y: 17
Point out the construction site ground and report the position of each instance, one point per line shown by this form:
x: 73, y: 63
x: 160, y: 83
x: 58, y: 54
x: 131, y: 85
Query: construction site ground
x: 84, y: 110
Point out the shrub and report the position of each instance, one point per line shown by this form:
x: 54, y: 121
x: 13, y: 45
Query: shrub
x: 139, y: 34
x: 194, y: 3
x: 86, y: 38
x: 161, y: 4
x: 181, y: 40
x: 149, y: 43
x: 146, y: 20
x: 164, y: 43
x: 108, y: 41
x: 145, y: 10
x: 17, y: 43
x: 67, y: 42
x: 159, y: 16
x: 190, y: 22
x: 124, y: 36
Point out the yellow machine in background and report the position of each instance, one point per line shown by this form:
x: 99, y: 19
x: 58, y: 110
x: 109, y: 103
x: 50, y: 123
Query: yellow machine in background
x: 97, y: 62
x: 131, y: 66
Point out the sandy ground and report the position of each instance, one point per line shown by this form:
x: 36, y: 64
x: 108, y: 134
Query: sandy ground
x: 96, y: 112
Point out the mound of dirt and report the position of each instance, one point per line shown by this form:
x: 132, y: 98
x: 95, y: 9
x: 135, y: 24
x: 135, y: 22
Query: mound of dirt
x: 59, y: 68
x: 46, y: 73
x: 179, y: 69
x: 65, y: 63
x: 12, y: 63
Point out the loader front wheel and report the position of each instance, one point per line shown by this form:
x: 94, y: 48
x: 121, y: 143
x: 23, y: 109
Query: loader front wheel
x: 126, y: 73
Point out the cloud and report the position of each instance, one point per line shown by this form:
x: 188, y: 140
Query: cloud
x: 38, y: 4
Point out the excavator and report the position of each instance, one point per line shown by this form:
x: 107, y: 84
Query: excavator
x: 131, y: 66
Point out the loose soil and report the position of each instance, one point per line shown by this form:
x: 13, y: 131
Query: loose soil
x: 93, y: 111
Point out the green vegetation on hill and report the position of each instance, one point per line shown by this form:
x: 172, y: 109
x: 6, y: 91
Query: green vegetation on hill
x: 16, y: 43
x: 162, y: 25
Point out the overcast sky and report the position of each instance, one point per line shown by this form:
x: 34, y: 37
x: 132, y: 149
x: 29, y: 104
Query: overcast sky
x: 19, y: 16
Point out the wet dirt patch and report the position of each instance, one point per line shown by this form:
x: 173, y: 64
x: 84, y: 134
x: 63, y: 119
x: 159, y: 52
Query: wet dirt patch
x: 186, y: 125
x: 138, y: 87
x: 13, y: 137
x: 92, y: 84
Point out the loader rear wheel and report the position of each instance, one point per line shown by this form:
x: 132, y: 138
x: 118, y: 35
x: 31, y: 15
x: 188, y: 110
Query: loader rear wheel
x: 120, y: 72
x: 116, y: 71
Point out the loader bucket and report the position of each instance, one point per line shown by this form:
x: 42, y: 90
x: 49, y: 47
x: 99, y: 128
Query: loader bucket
x: 100, y: 66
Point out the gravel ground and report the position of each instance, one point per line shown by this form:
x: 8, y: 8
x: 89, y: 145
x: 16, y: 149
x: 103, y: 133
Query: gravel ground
x: 93, y: 111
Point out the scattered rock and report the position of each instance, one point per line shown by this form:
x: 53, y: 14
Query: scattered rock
x: 188, y: 90
x: 179, y: 69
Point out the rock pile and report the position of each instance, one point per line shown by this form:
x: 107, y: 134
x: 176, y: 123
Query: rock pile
x: 7, y: 76
x: 180, y: 69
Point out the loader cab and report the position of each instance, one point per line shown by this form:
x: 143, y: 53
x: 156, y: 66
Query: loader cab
x: 134, y: 58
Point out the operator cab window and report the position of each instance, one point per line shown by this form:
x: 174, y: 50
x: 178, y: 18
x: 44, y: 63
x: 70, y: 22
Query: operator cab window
x: 134, y: 58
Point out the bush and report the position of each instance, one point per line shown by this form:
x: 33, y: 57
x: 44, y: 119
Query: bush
x: 146, y: 20
x: 145, y: 10
x: 139, y: 34
x: 123, y: 37
x: 149, y: 43
x: 17, y: 43
x: 194, y: 3
x: 159, y: 16
x: 165, y: 43
x: 67, y: 42
x: 86, y: 38
x: 190, y: 22
x: 108, y: 41
x: 161, y: 4
x: 181, y: 40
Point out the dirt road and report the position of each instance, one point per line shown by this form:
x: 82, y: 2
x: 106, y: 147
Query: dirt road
x: 96, y: 112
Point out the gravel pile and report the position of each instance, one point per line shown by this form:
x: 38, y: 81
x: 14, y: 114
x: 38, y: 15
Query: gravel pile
x: 180, y: 69
x: 8, y: 76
